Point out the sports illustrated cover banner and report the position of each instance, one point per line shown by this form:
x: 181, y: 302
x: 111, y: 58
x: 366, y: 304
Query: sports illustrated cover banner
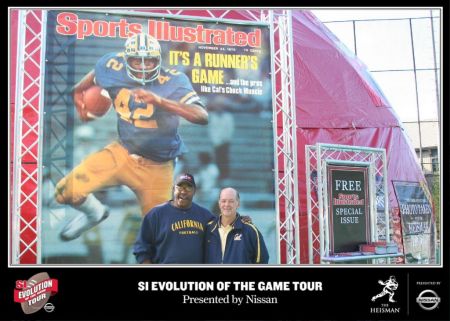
x: 416, y: 216
x: 111, y: 151
x: 348, y: 207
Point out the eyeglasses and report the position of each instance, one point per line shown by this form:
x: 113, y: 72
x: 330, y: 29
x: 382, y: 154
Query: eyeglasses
x: 187, y: 188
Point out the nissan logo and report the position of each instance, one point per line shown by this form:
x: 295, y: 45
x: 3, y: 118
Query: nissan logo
x: 428, y: 300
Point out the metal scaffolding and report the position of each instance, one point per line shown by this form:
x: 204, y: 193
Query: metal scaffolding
x: 285, y: 135
x: 27, y: 137
x: 317, y: 157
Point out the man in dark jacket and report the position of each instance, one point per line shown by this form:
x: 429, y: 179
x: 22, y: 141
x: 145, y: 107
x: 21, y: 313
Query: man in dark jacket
x: 231, y: 241
x: 173, y: 232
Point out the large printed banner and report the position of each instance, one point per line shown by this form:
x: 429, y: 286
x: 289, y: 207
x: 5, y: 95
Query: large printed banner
x: 221, y: 66
x: 348, y: 201
x: 417, y: 222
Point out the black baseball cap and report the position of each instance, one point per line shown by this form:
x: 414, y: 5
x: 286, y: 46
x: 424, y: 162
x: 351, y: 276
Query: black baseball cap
x: 185, y: 178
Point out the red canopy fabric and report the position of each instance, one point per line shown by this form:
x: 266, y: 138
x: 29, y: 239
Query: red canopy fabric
x: 338, y: 102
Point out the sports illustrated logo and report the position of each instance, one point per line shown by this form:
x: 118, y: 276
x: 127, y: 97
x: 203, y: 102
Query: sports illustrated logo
x: 389, y: 288
x: 238, y: 237
x: 428, y: 300
x: 34, y: 293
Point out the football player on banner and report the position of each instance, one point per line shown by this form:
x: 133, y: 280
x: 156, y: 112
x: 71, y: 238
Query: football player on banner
x: 149, y: 101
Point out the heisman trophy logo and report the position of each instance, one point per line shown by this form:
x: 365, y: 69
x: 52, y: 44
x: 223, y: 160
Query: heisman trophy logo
x: 33, y: 294
x: 390, y: 286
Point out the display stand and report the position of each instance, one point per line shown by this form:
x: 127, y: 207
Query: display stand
x: 347, y: 202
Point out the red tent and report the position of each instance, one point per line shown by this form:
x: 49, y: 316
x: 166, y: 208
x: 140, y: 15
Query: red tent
x: 338, y: 102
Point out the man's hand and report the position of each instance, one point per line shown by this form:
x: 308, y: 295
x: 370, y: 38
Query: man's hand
x: 246, y: 219
x: 191, y: 112
x: 78, y: 95
x: 146, y: 96
x: 78, y: 99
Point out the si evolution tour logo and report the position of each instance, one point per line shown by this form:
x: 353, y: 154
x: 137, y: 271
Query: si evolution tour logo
x: 389, y: 288
x: 34, y: 293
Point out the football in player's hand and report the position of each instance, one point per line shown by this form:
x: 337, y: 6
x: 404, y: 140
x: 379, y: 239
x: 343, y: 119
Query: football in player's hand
x: 97, y: 101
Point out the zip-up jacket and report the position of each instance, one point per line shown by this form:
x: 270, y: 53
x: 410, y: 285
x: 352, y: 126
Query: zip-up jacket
x: 244, y: 244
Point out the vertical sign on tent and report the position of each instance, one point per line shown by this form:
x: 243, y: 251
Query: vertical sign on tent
x: 417, y: 222
x: 348, y: 207
x: 222, y: 65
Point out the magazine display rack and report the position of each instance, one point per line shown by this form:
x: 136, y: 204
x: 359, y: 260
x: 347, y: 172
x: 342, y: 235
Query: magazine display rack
x: 347, y: 203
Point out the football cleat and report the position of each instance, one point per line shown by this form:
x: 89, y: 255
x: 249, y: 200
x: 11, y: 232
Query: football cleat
x: 145, y: 48
x: 80, y: 224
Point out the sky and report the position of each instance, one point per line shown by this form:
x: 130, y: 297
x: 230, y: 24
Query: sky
x: 386, y: 48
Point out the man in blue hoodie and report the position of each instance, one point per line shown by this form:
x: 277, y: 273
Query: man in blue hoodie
x: 231, y: 241
x: 174, y: 232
